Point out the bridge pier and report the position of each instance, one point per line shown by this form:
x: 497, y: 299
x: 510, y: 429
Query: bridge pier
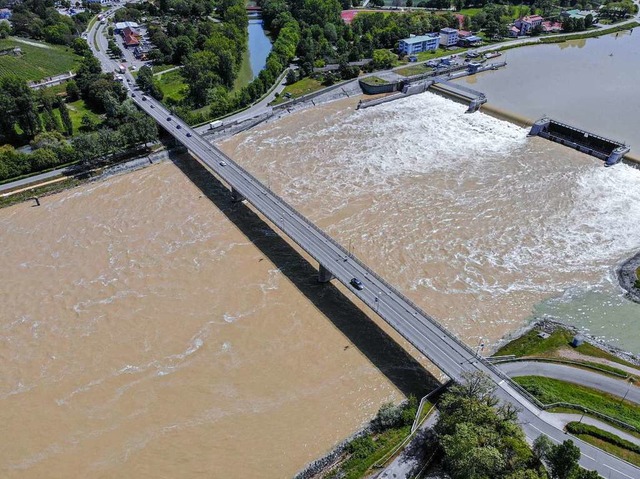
x: 324, y: 275
x: 236, y: 196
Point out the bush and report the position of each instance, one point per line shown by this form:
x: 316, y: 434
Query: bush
x: 362, y: 447
x: 580, y: 428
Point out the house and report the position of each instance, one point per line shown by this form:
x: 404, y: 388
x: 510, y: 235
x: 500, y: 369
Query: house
x: 130, y: 37
x: 417, y: 44
x: 551, y: 27
x: 514, y: 31
x: 448, y: 37
x: 5, y: 14
x: 528, y: 23
x: 469, y: 41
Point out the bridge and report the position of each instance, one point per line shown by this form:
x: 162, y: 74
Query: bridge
x: 444, y: 349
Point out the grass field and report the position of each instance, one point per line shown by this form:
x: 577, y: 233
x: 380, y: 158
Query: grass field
x: 530, y: 344
x: 36, y: 63
x: 551, y: 391
x: 172, y: 85
x: 77, y: 110
x: 413, y: 70
x: 606, y: 441
x: 299, y: 88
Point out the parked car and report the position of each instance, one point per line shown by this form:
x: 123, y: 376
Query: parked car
x: 356, y: 283
x: 413, y: 58
x: 178, y: 127
x: 168, y: 118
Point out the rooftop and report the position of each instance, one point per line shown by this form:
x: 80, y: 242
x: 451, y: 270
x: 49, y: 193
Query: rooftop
x: 448, y: 30
x: 420, y: 38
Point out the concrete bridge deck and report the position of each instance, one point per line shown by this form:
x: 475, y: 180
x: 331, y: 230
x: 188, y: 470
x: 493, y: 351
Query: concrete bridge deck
x: 442, y: 347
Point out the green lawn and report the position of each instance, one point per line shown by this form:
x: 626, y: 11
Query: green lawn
x: 160, y: 68
x: 374, y: 81
x: 245, y: 75
x: 36, y: 63
x: 470, y: 12
x: 530, y: 344
x: 299, y: 88
x: 413, y: 70
x: 77, y: 110
x: 550, y: 391
x: 606, y: 441
x: 172, y: 85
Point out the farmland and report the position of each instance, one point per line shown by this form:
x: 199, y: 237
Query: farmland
x: 36, y: 62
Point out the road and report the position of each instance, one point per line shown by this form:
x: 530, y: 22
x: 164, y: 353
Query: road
x: 584, y: 377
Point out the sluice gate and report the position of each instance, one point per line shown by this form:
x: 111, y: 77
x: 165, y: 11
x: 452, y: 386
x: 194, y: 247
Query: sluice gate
x: 610, y: 151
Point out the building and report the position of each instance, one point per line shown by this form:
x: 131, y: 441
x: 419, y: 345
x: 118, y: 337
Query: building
x: 469, y: 40
x: 130, y: 37
x: 417, y: 44
x: 514, y: 31
x: 576, y: 14
x: 119, y: 26
x: 448, y: 37
x: 101, y: 2
x: 551, y: 27
x: 528, y: 23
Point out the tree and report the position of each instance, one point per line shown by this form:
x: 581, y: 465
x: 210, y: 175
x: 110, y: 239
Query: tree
x: 66, y: 118
x: 73, y: 92
x: 563, y: 460
x: 87, y: 124
x: 541, y: 447
x: 383, y: 59
x: 291, y: 77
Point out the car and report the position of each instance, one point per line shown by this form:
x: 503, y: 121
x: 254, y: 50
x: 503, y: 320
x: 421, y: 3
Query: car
x: 223, y: 163
x: 178, y: 127
x: 144, y: 98
x: 168, y: 118
x: 151, y: 105
x: 356, y: 283
x: 413, y: 58
x: 188, y: 135
x: 133, y: 95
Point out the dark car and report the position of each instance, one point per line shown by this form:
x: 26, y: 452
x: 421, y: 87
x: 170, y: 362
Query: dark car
x: 151, y: 105
x: 356, y: 283
x: 178, y: 127
x: 168, y: 118
x: 189, y: 135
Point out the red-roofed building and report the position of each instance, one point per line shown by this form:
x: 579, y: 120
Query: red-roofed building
x: 551, y: 27
x: 514, y: 31
x: 348, y: 15
x: 528, y: 23
x: 130, y: 37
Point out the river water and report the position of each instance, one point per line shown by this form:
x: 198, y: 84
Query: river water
x: 150, y: 328
x: 259, y: 45
x: 591, y: 84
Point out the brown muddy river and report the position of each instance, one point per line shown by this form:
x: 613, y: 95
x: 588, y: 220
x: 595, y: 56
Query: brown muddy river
x: 150, y: 328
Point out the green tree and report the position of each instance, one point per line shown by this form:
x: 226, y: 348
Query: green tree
x: 563, y: 460
x: 72, y: 90
x: 383, y: 59
x: 66, y: 118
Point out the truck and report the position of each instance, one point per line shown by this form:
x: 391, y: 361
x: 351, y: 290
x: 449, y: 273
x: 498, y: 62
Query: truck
x: 215, y: 124
x: 122, y: 68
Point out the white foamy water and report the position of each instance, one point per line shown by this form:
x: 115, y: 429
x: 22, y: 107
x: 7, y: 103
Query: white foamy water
x: 470, y: 217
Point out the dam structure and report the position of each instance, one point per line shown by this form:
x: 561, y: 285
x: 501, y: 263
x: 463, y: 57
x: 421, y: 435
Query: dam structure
x: 610, y: 151
x: 442, y: 347
x: 438, y: 82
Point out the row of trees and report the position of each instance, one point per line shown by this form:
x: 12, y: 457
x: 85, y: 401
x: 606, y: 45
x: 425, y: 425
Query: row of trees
x: 480, y: 439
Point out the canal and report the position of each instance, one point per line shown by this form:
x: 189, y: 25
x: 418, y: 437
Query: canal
x: 259, y: 45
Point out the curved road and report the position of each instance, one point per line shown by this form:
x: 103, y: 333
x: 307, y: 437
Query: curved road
x: 583, y: 377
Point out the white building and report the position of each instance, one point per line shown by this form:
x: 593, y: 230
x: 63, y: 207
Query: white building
x: 448, y: 37
x: 417, y: 44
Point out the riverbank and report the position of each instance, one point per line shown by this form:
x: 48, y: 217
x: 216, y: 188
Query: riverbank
x: 627, y: 277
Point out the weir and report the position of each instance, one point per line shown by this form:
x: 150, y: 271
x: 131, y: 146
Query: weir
x: 440, y: 83
x: 610, y: 151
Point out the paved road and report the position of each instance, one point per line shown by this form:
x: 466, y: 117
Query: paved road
x: 585, y: 377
